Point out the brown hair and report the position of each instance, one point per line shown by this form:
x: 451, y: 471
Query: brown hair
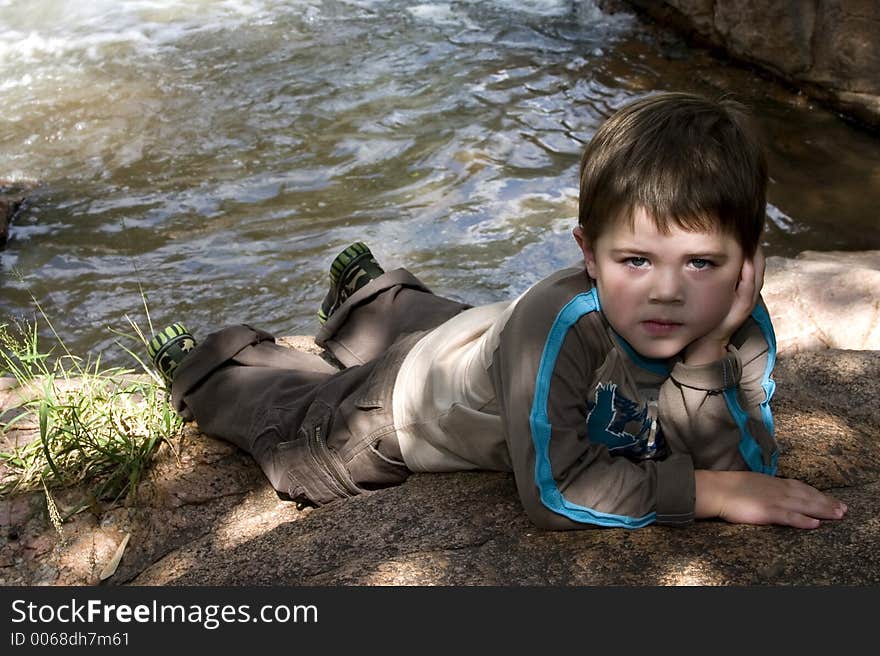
x: 682, y: 158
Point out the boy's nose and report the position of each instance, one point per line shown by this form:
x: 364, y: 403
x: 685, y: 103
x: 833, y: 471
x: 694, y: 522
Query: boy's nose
x: 666, y: 287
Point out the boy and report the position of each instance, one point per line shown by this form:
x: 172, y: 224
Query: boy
x: 631, y: 389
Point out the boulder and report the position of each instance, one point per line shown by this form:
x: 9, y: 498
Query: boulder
x: 12, y: 198
x: 8, y: 208
x: 827, y: 48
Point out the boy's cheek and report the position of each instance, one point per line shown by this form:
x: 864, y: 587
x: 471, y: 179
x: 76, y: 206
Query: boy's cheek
x: 716, y: 309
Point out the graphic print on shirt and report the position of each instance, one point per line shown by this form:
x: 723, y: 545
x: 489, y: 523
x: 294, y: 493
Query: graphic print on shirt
x: 611, y: 413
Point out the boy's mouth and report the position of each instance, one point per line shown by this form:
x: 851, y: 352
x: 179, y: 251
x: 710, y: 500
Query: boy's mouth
x: 659, y: 326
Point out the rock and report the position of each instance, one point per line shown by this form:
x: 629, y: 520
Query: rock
x: 826, y: 418
x: 8, y: 207
x: 824, y: 300
x: 469, y: 528
x: 12, y: 198
x: 744, y: 26
x: 827, y: 48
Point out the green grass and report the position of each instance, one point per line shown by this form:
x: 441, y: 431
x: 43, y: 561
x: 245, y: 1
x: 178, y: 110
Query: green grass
x: 98, y: 427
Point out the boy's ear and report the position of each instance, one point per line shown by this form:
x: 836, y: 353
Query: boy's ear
x: 586, y: 249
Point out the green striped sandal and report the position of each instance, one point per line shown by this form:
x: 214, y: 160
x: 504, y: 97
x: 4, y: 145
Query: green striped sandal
x: 352, y: 269
x: 168, y: 348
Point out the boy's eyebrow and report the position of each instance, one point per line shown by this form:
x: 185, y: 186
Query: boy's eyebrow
x: 717, y: 255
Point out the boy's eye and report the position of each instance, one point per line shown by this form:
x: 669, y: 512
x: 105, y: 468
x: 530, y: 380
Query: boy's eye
x: 637, y: 262
x: 698, y: 263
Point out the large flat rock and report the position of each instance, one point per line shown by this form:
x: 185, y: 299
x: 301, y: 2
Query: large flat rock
x: 469, y: 528
x: 205, y: 516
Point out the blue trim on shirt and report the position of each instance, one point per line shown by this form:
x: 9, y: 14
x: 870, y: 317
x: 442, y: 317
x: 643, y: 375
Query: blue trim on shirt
x: 539, y: 422
x: 748, y: 445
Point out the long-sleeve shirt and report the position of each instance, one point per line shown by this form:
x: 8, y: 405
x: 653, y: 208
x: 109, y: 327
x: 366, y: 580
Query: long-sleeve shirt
x: 544, y: 387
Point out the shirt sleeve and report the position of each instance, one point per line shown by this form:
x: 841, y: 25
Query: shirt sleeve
x: 719, y: 412
x: 566, y: 480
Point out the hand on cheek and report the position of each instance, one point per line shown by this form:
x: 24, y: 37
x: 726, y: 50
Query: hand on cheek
x: 712, y: 346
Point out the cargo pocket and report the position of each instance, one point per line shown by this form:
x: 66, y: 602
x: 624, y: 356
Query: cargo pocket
x: 371, y: 454
x: 313, y: 471
x: 376, y: 465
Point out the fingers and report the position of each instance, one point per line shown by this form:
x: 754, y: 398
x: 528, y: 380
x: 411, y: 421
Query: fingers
x: 803, y: 505
x: 798, y: 520
x: 752, y: 498
x: 746, y: 275
x: 821, y: 506
x: 751, y: 278
x: 759, y: 263
x: 797, y: 516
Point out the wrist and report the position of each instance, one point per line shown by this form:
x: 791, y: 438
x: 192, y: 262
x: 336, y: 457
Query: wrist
x: 704, y: 351
x: 707, y: 502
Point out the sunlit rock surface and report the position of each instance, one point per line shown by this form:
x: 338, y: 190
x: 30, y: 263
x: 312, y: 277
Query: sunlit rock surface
x: 821, y: 300
x: 205, y: 515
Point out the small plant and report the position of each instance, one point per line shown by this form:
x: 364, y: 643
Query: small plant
x: 97, y: 426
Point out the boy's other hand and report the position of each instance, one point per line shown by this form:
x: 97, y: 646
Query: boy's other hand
x: 711, y: 347
x: 743, y: 497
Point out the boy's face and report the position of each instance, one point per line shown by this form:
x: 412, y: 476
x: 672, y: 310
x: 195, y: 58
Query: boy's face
x: 660, y: 292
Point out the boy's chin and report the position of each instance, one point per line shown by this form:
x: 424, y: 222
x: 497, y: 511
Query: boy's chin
x: 659, y: 354
x: 658, y: 350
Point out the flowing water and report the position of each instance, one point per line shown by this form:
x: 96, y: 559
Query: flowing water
x: 216, y: 154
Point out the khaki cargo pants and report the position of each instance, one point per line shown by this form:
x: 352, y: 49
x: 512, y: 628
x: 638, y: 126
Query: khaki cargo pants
x: 318, y: 433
